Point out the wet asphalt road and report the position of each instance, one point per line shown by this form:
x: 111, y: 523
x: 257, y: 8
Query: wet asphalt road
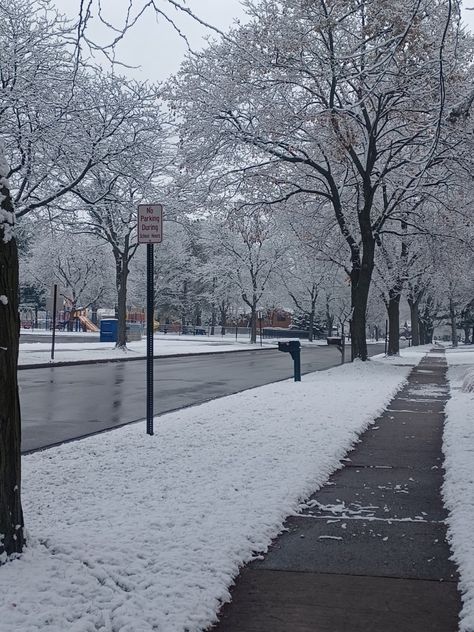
x: 63, y: 403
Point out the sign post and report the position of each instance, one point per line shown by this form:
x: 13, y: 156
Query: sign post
x: 150, y: 232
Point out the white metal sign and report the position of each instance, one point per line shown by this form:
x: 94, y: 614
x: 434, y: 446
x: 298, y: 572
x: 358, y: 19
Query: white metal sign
x: 150, y: 223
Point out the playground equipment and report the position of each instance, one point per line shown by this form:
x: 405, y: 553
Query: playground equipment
x: 81, y: 316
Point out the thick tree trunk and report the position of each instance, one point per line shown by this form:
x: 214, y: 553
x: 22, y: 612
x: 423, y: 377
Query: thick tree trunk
x: 361, y: 276
x: 12, y: 536
x: 253, y: 324
x: 393, y: 311
x: 360, y: 296
x: 121, y: 267
x: 452, y: 319
x: 415, y: 322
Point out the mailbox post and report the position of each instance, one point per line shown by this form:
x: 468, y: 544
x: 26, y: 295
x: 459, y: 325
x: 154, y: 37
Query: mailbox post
x: 293, y: 347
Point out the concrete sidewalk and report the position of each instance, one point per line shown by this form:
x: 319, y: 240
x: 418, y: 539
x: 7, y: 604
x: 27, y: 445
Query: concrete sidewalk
x: 369, y: 551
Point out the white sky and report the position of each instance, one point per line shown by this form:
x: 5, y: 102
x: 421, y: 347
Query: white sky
x: 156, y: 49
x: 153, y: 44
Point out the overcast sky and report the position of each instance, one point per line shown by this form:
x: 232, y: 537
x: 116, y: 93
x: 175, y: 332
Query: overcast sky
x: 153, y: 44
x: 156, y: 49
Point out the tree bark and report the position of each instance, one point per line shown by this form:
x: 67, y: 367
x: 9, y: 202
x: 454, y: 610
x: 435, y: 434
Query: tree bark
x: 12, y: 538
x: 197, y: 315
x: 311, y: 325
x: 467, y: 330
x: 213, y: 319
x: 452, y: 319
x: 184, y: 307
x: 223, y: 317
x: 213, y: 307
x: 329, y: 325
x: 121, y: 278
x: 312, y: 313
x: 360, y: 286
x: 415, y: 321
x: 253, y: 324
x: 393, y: 311
x: 426, y: 323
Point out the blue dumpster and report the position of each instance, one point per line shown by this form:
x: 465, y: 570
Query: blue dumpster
x: 108, y: 330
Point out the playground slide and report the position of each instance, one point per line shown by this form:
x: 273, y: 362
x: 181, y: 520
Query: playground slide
x: 88, y: 324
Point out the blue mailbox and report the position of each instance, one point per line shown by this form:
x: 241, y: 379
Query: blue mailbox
x: 108, y: 330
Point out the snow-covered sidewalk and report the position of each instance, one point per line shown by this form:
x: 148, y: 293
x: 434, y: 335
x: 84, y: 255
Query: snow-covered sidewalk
x: 458, y: 490
x: 131, y: 533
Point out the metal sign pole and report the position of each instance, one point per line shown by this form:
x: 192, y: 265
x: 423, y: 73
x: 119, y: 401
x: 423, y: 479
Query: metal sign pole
x: 149, y: 232
x: 150, y: 317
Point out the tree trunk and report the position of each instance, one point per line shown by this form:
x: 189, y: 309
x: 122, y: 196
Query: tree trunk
x: 361, y: 276
x: 311, y: 325
x: 253, y: 324
x: 12, y: 536
x: 467, y: 330
x: 213, y: 306
x: 312, y: 313
x: 415, y: 322
x: 393, y: 311
x: 360, y: 296
x: 452, y: 319
x: 197, y: 315
x: 426, y: 323
x: 184, y: 307
x: 121, y: 278
x: 223, y: 317
x: 213, y: 319
x: 329, y: 321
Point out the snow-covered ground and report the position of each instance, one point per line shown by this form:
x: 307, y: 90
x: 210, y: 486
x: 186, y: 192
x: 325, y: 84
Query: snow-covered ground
x: 458, y: 489
x: 131, y: 533
x: 164, y: 345
x: 409, y: 356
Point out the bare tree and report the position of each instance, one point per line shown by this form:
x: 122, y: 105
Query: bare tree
x: 323, y: 102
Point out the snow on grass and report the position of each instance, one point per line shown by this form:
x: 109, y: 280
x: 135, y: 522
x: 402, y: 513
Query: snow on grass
x: 458, y: 488
x: 131, y: 533
x: 164, y: 345
x: 409, y: 356
x: 40, y: 352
